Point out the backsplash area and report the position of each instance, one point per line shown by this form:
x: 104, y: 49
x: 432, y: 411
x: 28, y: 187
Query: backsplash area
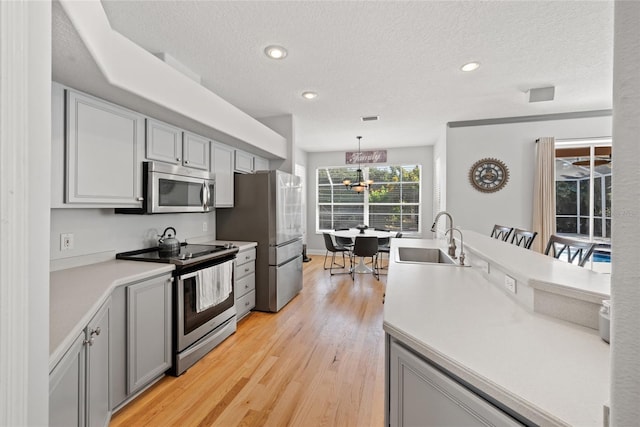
x: 97, y: 234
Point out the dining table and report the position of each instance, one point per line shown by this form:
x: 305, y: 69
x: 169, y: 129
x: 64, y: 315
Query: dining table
x: 352, y: 233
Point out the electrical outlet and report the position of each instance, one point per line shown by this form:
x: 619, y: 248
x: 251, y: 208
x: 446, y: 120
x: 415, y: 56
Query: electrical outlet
x: 510, y: 283
x: 484, y: 266
x: 66, y: 241
x: 205, y: 226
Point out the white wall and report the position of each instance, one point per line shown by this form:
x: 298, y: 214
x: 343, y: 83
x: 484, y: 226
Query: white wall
x: 101, y: 230
x: 625, y: 277
x: 284, y: 125
x: 25, y: 126
x: 514, y: 144
x: 395, y: 156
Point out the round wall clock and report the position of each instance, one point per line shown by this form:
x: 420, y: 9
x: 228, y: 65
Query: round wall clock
x: 488, y: 175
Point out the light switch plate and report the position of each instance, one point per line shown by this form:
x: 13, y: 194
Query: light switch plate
x: 510, y: 283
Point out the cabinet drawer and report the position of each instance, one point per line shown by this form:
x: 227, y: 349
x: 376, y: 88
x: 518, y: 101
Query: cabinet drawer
x: 244, y: 285
x: 245, y: 257
x: 245, y: 270
x: 245, y: 304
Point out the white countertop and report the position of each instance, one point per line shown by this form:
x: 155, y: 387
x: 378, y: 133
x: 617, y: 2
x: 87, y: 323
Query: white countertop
x: 550, y: 371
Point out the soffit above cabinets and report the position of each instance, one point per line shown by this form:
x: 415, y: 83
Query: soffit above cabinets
x: 90, y: 56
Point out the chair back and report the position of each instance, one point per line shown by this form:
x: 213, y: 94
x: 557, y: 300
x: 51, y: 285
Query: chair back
x: 366, y: 246
x: 398, y: 235
x: 328, y: 242
x: 575, y: 249
x: 501, y: 232
x: 384, y: 242
x: 523, y: 238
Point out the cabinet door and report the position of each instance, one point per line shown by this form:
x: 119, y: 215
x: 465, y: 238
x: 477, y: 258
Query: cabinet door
x: 260, y: 164
x: 164, y: 142
x: 243, y: 162
x: 196, y: 151
x: 98, y: 405
x: 222, y: 166
x: 103, y: 153
x: 420, y: 395
x: 67, y: 388
x: 149, y: 331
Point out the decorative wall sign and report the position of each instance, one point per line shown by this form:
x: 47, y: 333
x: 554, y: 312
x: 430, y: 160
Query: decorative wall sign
x: 488, y: 175
x: 377, y: 156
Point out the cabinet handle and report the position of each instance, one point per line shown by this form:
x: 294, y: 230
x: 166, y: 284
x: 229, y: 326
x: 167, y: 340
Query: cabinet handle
x: 246, y: 304
x: 96, y: 331
x: 246, y: 270
x: 178, y: 158
x: 186, y: 162
x: 89, y: 341
x: 140, y: 199
x: 246, y: 286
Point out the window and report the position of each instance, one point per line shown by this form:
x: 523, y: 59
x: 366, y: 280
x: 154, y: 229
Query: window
x: 583, y: 193
x: 392, y: 202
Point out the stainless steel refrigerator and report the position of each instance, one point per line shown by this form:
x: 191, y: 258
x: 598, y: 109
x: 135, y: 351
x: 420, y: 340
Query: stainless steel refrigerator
x: 268, y: 210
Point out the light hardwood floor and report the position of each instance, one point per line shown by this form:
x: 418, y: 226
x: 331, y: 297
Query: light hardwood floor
x: 318, y: 362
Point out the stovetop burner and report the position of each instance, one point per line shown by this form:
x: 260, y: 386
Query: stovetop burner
x: 189, y: 254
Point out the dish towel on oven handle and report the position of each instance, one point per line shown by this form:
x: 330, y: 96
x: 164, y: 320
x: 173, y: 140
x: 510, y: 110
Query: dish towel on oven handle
x: 214, y: 285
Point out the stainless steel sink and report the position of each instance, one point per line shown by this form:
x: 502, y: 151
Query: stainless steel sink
x: 424, y: 256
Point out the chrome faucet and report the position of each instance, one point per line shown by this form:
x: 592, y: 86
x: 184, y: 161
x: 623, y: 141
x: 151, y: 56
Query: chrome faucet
x: 452, y: 243
x: 462, y: 255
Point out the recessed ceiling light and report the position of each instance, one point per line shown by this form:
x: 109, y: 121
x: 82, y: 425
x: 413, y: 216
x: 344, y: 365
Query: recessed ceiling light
x: 275, y: 52
x: 309, y: 95
x: 470, y: 66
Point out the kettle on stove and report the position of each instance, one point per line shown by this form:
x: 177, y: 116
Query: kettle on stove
x: 169, y: 245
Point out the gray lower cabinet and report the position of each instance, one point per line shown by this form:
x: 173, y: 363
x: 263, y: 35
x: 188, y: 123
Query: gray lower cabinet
x: 420, y: 395
x: 245, y: 282
x: 141, y: 330
x: 79, y: 383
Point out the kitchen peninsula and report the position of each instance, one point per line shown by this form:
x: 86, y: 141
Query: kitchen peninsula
x: 510, y: 349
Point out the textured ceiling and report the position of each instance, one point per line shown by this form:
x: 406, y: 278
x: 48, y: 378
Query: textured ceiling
x: 398, y: 60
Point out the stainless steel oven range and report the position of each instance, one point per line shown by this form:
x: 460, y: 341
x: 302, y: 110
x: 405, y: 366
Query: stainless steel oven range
x: 203, y: 302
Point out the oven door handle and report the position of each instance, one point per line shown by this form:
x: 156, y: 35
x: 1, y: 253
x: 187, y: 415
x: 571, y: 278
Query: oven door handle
x: 187, y: 276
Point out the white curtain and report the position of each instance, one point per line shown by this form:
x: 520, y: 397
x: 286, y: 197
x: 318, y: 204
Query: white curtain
x: 544, y: 193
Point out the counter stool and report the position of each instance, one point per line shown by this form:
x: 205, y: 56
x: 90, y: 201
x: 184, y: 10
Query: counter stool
x: 574, y: 249
x: 501, y: 232
x: 523, y: 238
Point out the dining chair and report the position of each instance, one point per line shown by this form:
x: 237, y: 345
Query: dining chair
x: 347, y: 242
x: 575, y: 249
x: 501, y: 232
x: 523, y: 238
x: 334, y: 249
x: 367, y: 247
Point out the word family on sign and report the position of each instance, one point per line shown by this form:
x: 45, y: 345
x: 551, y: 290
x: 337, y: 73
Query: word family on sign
x: 377, y: 156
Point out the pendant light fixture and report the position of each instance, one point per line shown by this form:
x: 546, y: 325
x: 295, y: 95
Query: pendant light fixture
x: 359, y: 185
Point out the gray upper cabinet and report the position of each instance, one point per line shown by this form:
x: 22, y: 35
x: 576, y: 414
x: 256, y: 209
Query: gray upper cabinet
x: 260, y: 164
x: 243, y: 162
x: 164, y: 142
x: 222, y: 158
x: 169, y: 144
x: 103, y: 153
x: 195, y: 150
x: 148, y: 331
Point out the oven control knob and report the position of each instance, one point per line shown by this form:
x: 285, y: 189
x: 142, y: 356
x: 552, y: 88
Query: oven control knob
x: 189, y: 255
x: 182, y: 256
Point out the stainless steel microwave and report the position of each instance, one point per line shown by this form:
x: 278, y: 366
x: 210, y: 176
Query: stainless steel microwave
x: 173, y: 189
